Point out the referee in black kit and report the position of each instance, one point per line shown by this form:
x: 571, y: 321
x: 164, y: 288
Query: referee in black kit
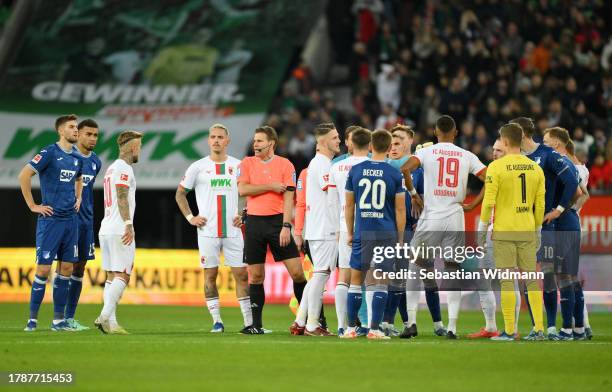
x: 268, y: 182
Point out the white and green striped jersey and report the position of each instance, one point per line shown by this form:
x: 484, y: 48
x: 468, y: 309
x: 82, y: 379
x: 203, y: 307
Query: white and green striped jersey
x: 216, y: 191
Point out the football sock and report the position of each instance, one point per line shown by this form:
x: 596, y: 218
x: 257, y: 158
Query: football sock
x: 433, y: 303
x: 258, y: 299
x: 245, y: 309
x: 363, y: 309
x: 578, y: 307
x: 115, y: 291
x: 487, y: 302
x: 369, y: 297
x: 393, y: 296
x: 454, y: 304
x: 302, y: 313
x: 412, y: 304
x: 401, y: 306
x: 379, y: 301
x: 566, y: 290
x: 60, y: 296
x: 354, y: 300
x: 113, y: 317
x: 37, y: 294
x: 534, y: 293
x: 298, y: 290
x: 341, y: 303
x: 508, y: 305
x: 586, y: 314
x: 74, y: 292
x: 550, y: 299
x: 517, y: 296
x: 214, y: 308
x: 315, y: 298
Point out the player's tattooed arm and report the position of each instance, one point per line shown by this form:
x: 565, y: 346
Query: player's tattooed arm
x: 25, y: 182
x: 123, y: 205
x: 183, y: 205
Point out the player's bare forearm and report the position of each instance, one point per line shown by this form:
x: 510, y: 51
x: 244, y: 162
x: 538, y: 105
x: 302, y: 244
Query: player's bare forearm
x: 122, y: 202
x: 409, y: 166
x: 349, y: 212
x: 400, y: 216
x: 181, y: 200
x: 287, y: 206
x: 245, y: 189
x: 477, y: 200
x: 25, y: 182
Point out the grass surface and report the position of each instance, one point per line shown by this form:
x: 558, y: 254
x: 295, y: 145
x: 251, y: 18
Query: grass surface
x: 170, y: 348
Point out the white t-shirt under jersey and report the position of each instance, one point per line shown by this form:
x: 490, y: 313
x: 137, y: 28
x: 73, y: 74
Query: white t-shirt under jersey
x: 583, y: 172
x: 446, y: 169
x: 338, y: 174
x: 318, y: 215
x: 216, y: 191
x: 119, y: 173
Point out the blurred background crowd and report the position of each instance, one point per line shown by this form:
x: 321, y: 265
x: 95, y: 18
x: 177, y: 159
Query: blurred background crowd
x: 481, y: 61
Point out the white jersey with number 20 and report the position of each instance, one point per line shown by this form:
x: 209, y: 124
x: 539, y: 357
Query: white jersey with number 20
x: 119, y: 173
x: 446, y: 169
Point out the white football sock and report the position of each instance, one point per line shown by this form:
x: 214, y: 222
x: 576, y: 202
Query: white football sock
x: 369, y: 299
x: 413, y: 293
x: 454, y: 304
x: 214, y: 308
x: 487, y: 302
x: 586, y: 316
x: 245, y: 309
x: 341, y: 303
x: 115, y: 290
x: 113, y: 317
x: 302, y: 313
x: 315, y: 298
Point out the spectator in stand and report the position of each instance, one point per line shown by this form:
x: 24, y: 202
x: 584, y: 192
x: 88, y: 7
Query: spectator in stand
x: 600, y: 177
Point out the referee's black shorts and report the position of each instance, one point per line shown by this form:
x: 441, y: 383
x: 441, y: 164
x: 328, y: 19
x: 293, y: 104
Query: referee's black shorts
x: 261, y: 231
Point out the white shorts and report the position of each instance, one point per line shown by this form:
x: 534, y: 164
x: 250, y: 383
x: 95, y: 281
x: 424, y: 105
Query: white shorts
x: 344, y: 251
x: 117, y: 257
x: 448, y: 232
x: 210, y: 251
x: 324, y: 254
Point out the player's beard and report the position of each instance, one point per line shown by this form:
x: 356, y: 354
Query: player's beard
x: 72, y: 139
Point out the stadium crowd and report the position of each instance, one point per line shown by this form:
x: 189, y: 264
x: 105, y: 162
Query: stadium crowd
x: 483, y: 62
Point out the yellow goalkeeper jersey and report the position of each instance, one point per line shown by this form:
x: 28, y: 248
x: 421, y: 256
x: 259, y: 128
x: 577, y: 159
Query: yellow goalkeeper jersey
x: 515, y: 187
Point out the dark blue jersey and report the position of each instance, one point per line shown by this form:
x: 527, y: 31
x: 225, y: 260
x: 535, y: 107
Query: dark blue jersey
x: 556, y: 170
x: 374, y: 185
x: 58, y: 171
x: 91, y: 168
x: 568, y: 220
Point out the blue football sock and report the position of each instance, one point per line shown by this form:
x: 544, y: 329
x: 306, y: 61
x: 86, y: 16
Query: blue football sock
x: 354, y: 300
x: 60, y: 296
x: 578, y: 306
x: 401, y: 307
x: 363, y: 310
x: 37, y: 294
x: 433, y: 303
x: 550, y: 304
x: 393, y: 298
x: 74, y: 292
x: 379, y: 301
x: 567, y: 305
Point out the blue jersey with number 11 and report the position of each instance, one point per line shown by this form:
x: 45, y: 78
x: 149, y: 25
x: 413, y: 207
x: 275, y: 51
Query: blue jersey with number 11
x: 374, y: 185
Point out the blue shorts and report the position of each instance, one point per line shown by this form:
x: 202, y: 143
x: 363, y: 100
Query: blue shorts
x: 57, y: 239
x: 547, y: 251
x: 87, y: 242
x: 567, y: 243
x: 365, y: 255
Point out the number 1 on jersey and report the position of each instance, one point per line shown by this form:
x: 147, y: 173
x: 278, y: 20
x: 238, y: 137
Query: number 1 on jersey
x: 523, y: 187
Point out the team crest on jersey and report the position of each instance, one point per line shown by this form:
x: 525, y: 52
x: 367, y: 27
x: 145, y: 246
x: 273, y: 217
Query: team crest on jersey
x: 230, y: 170
x: 76, y: 163
x: 124, y: 177
x: 203, y: 260
x: 326, y: 177
x: 37, y: 158
x: 538, y: 159
x: 93, y: 166
x: 46, y: 255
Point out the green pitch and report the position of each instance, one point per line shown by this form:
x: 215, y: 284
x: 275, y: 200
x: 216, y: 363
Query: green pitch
x: 170, y: 349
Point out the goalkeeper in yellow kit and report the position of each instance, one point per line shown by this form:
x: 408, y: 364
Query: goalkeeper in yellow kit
x: 515, y: 187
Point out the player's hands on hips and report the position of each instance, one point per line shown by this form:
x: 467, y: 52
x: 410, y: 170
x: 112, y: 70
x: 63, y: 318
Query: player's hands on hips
x: 552, y: 215
x: 77, y: 205
x: 284, y: 237
x: 299, y: 241
x: 277, y: 187
x: 237, y: 221
x: 128, y: 235
x: 417, y: 206
x: 198, y: 221
x: 42, y: 210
